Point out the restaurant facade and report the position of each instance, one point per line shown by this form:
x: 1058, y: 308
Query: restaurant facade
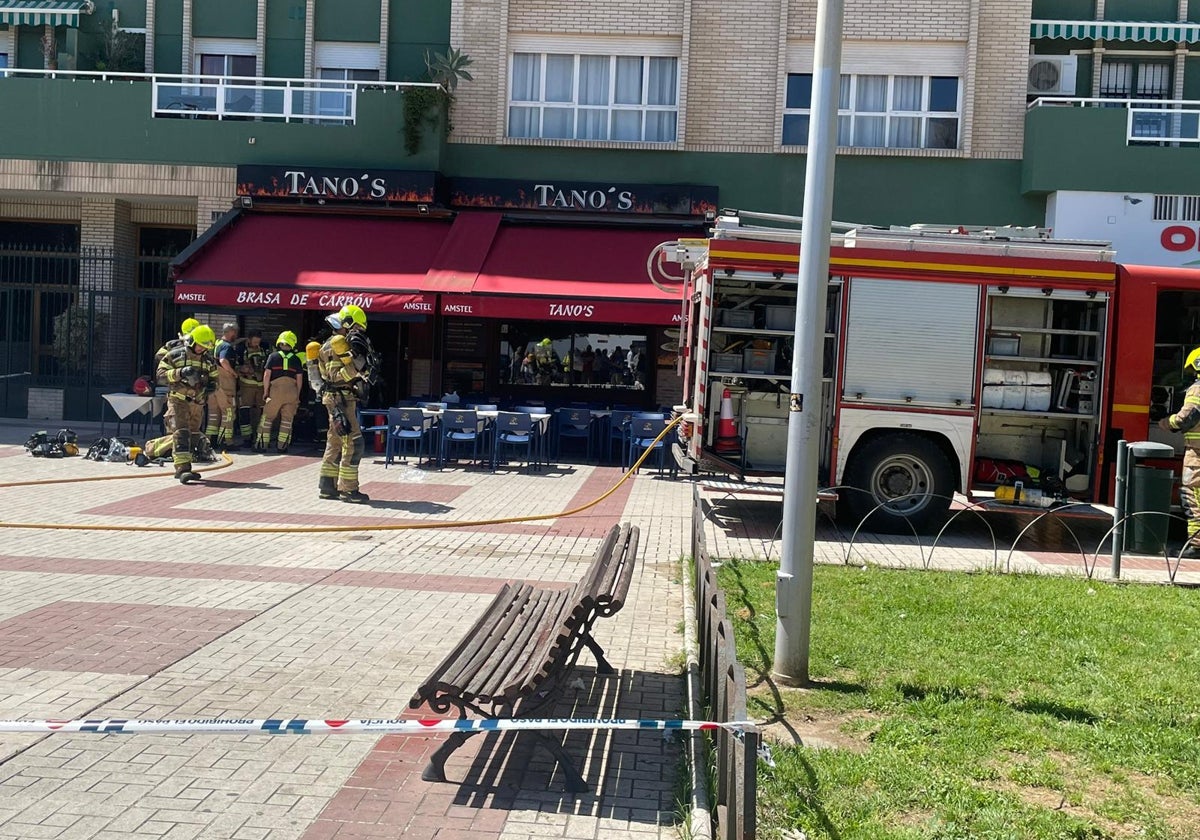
x: 492, y: 289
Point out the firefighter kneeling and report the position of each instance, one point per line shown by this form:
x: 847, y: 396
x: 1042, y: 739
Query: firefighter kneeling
x: 189, y: 373
x: 341, y: 375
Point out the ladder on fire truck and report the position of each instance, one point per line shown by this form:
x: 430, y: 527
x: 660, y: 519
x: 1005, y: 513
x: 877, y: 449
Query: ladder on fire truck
x: 1002, y: 240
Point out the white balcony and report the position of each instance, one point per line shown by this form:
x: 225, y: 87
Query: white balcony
x: 237, y: 97
x: 1148, y: 121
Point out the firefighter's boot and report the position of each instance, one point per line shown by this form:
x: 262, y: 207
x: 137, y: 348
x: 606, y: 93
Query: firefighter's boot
x: 354, y: 497
x: 327, y: 487
x: 186, y: 474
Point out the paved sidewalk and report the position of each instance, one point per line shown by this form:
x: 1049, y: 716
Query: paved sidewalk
x: 314, y: 625
x: 337, y: 625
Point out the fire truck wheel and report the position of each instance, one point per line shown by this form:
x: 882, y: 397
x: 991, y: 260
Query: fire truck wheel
x: 908, y: 472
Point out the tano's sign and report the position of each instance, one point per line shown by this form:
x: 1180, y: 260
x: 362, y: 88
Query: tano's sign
x: 323, y: 184
x: 583, y: 196
x: 596, y: 310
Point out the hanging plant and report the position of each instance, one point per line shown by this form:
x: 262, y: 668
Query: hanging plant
x: 424, y: 106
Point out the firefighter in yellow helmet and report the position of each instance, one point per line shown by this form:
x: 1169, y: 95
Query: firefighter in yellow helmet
x: 1187, y: 420
x: 252, y: 364
x: 222, y: 403
x: 341, y: 372
x: 189, y: 372
x: 185, y: 330
x: 281, y: 385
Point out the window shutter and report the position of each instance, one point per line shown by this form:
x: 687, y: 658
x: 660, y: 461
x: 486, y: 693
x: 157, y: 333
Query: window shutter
x: 911, y: 340
x: 888, y: 58
x: 222, y: 46
x: 595, y: 45
x: 342, y: 55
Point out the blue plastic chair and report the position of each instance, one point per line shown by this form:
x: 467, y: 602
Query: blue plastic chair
x: 642, y: 434
x: 459, y: 427
x: 617, y: 429
x: 366, y: 422
x: 573, y: 424
x: 407, y: 426
x: 514, y: 429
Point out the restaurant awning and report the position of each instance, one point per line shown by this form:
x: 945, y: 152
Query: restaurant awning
x: 314, y: 262
x: 40, y: 12
x: 540, y: 272
x: 1103, y: 30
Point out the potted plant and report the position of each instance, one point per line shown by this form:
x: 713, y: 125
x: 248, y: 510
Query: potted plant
x: 425, y: 106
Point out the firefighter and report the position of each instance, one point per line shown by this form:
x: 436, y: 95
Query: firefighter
x: 222, y: 403
x: 251, y: 397
x: 281, y: 385
x: 546, y: 361
x: 1187, y: 421
x: 341, y: 374
x: 189, y: 373
x: 185, y: 330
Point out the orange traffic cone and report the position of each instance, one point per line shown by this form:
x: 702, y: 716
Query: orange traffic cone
x: 728, y: 441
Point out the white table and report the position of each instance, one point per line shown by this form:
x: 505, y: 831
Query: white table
x: 124, y: 406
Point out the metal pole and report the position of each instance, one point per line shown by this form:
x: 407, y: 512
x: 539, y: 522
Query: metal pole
x: 793, y: 585
x: 1122, y: 488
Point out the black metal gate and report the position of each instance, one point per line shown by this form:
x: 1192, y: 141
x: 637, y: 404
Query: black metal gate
x: 75, y: 322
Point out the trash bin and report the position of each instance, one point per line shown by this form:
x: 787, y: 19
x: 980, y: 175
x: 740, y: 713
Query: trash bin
x: 1149, y: 491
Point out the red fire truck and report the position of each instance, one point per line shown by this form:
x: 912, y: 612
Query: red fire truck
x: 955, y: 360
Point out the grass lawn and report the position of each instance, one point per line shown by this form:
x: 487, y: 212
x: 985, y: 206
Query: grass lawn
x: 969, y: 706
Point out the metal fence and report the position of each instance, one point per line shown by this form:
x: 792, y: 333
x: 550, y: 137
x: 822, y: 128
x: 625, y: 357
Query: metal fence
x: 735, y: 754
x: 75, y: 321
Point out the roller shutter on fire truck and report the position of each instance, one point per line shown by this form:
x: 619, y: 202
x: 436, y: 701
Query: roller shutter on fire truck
x: 910, y: 343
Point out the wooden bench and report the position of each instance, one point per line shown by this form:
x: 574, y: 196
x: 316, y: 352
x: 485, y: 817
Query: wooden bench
x: 519, y: 653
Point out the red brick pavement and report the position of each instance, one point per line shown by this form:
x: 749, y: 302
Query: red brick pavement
x: 386, y: 796
x: 171, y: 502
x: 110, y: 638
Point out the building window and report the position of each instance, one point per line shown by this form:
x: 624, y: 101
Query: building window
x: 210, y: 64
x: 3, y: 60
x: 1135, y: 79
x: 594, y: 97
x: 336, y: 103
x: 894, y: 112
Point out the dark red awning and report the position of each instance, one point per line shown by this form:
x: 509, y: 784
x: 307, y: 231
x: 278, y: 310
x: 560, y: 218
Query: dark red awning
x: 316, y: 262
x: 575, y: 263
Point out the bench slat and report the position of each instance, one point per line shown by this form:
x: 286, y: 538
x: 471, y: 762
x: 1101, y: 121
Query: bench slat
x: 518, y: 649
x: 487, y: 635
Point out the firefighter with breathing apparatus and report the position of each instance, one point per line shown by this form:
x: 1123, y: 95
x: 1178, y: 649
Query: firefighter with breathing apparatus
x: 1187, y: 421
x: 344, y: 367
x: 189, y: 372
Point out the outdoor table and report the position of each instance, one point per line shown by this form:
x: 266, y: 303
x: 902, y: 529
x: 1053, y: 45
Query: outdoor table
x: 124, y: 406
x: 541, y: 423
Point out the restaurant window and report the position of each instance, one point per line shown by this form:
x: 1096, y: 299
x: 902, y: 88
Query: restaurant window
x: 603, y: 359
x: 594, y: 97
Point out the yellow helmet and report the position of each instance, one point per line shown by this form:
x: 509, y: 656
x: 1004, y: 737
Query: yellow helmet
x: 204, y: 336
x: 1193, y: 360
x: 288, y: 338
x: 187, y: 326
x: 352, y: 315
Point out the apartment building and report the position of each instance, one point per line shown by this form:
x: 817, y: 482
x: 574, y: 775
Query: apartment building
x: 587, y: 133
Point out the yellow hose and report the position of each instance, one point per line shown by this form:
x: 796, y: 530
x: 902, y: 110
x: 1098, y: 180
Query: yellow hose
x: 327, y: 529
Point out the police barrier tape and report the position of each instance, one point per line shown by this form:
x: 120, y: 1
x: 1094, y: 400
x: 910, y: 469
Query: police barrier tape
x: 383, y: 726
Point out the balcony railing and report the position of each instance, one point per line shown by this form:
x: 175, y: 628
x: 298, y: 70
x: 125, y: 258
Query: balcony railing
x: 332, y: 101
x: 1166, y: 122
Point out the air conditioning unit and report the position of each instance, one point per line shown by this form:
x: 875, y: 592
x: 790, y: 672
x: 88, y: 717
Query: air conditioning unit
x: 1052, y: 75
